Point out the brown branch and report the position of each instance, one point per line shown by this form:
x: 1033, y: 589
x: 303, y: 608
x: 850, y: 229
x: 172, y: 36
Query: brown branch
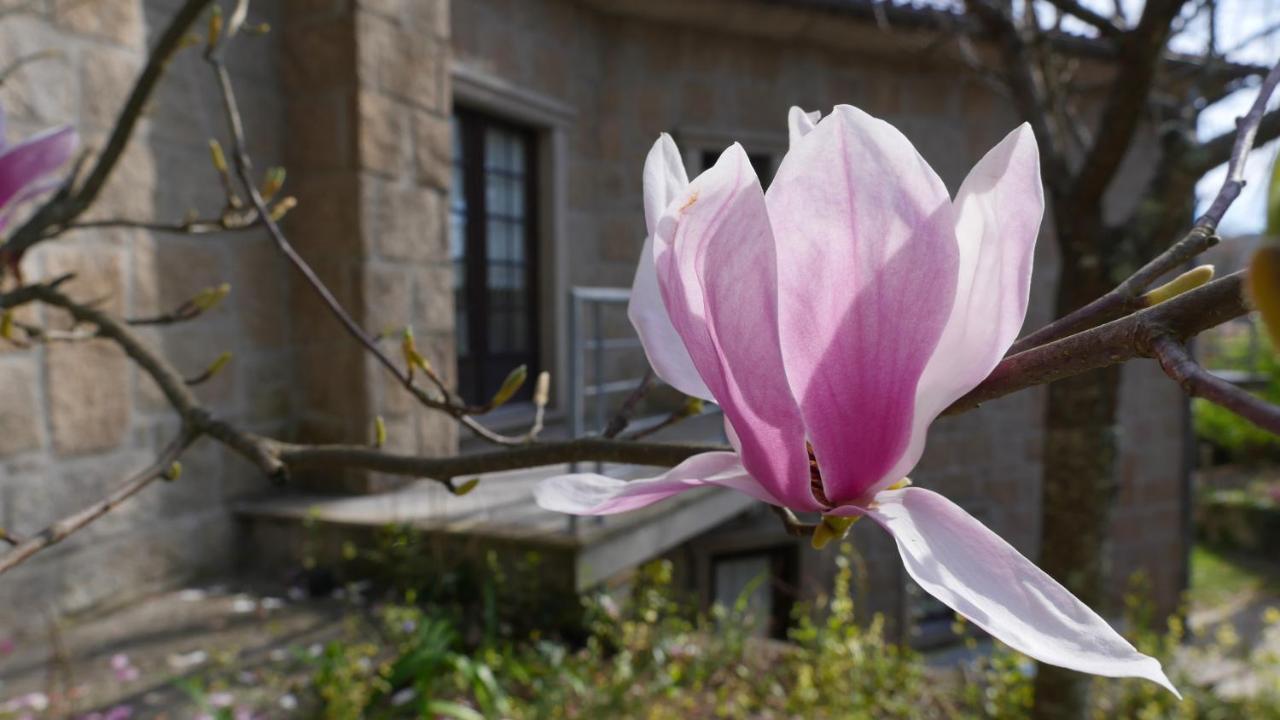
x: 1115, y: 342
x: 622, y: 419
x: 70, y: 202
x: 792, y: 524
x: 1217, y: 150
x: 1127, y: 296
x: 243, y: 168
x: 1027, y: 88
x: 1100, y: 23
x: 1141, y: 52
x: 1178, y: 364
x: 199, y: 226
x: 540, y: 454
x: 60, y: 530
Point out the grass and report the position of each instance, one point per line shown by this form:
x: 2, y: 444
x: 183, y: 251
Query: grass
x: 1218, y: 577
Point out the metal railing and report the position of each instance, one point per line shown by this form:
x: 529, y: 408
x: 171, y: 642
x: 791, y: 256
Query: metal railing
x: 587, y: 336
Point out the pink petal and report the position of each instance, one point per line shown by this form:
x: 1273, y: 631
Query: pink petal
x: 29, y: 161
x: 591, y: 494
x: 799, y: 123
x: 716, y: 265
x: 973, y: 571
x: 998, y: 212
x: 664, y: 177
x: 866, y: 280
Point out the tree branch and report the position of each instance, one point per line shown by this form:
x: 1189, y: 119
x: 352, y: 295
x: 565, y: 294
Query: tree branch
x: 1027, y: 89
x: 60, y: 530
x: 1115, y: 342
x: 1100, y: 23
x: 1140, y: 54
x: 1177, y: 363
x: 66, y: 205
x: 1127, y: 296
x: 442, y: 469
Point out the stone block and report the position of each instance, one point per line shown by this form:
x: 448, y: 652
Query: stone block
x: 259, y: 294
x: 326, y: 223
x: 321, y: 132
x: 38, y: 95
x: 106, y: 78
x: 88, y: 391
x: 20, y: 416
x: 406, y: 221
x: 99, y: 277
x: 380, y: 134
x: 117, y: 21
x: 433, y: 149
x: 168, y: 272
x: 318, y: 55
x: 388, y: 295
x: 433, y: 298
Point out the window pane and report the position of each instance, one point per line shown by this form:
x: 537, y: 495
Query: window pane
x: 746, y: 578
x: 489, y: 234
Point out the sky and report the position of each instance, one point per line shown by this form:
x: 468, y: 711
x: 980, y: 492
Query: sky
x: 1240, y: 22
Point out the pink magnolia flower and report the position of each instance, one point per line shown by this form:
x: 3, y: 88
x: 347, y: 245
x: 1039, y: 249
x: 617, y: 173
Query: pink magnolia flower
x: 25, y: 168
x: 832, y: 319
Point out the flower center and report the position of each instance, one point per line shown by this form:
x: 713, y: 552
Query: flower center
x: 815, y: 477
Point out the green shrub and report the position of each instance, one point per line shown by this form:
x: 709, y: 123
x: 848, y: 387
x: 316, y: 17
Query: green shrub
x: 1238, y: 439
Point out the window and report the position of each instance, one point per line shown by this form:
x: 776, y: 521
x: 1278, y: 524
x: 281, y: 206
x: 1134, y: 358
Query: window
x: 492, y: 245
x: 765, y: 579
x: 762, y: 163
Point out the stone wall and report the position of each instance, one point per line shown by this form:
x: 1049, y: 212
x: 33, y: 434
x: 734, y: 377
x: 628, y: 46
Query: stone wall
x: 363, y: 88
x: 368, y: 105
x: 630, y: 78
x: 75, y: 418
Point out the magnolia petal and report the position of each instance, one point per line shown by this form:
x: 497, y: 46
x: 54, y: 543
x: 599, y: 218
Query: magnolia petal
x: 799, y: 123
x: 29, y: 161
x: 867, y: 264
x: 715, y: 259
x: 998, y: 212
x: 664, y: 177
x: 973, y: 571
x: 662, y: 344
x: 592, y: 494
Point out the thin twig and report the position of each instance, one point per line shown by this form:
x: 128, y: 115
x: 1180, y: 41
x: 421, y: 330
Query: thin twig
x: 243, y: 167
x: 1196, y: 381
x: 58, y: 531
x: 1126, y: 297
x: 1102, y: 24
x: 71, y: 201
x: 622, y: 419
x: 792, y: 524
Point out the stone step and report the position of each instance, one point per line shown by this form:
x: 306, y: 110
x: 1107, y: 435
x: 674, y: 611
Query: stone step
x: 279, y: 534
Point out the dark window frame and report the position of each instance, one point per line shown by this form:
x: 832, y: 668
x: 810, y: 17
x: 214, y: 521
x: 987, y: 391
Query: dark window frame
x: 481, y: 371
x: 783, y: 581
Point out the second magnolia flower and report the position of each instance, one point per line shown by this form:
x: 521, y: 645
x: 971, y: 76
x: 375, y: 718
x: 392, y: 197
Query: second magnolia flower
x: 832, y: 319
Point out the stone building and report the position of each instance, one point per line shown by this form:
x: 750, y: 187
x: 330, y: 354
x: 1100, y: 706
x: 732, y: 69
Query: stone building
x: 460, y: 166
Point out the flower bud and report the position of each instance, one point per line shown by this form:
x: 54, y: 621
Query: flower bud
x: 1189, y: 280
x: 510, y: 386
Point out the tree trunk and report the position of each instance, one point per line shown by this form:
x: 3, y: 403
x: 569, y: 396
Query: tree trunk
x: 1079, y: 493
x: 1079, y: 471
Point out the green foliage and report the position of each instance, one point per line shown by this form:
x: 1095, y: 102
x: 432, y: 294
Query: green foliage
x: 650, y: 656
